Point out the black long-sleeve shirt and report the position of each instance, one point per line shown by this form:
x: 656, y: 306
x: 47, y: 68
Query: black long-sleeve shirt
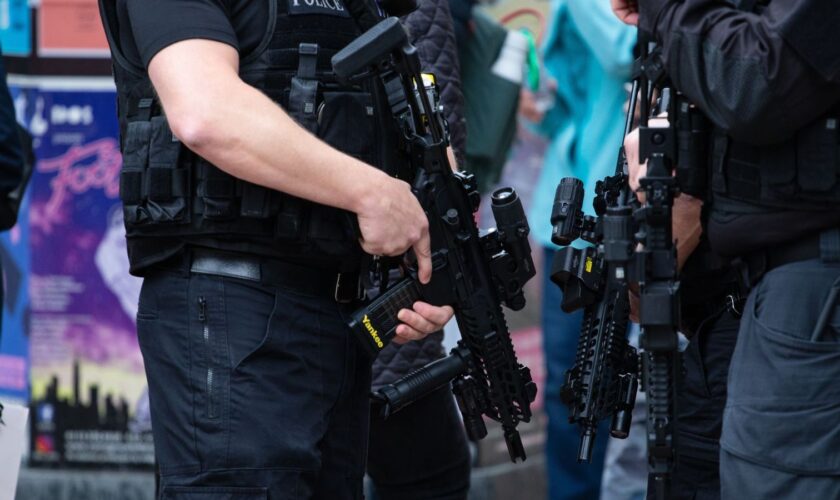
x: 758, y: 76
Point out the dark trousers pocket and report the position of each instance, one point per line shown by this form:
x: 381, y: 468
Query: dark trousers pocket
x: 213, y: 493
x: 783, y: 401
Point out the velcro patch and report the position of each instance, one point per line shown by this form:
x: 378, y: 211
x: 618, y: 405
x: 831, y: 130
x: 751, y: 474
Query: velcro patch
x: 322, y: 7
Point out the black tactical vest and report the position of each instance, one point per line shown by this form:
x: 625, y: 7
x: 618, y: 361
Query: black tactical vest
x: 801, y: 174
x: 170, y: 194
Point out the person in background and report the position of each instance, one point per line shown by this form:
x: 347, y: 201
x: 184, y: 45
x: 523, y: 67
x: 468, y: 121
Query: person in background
x: 11, y: 168
x: 589, y: 55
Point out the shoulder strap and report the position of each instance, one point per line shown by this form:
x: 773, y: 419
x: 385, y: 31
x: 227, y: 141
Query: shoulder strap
x: 364, y: 13
x: 108, y: 13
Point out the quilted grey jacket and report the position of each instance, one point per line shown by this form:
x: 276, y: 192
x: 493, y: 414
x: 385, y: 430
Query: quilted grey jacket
x: 431, y: 31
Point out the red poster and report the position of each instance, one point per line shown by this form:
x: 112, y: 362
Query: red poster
x: 70, y: 28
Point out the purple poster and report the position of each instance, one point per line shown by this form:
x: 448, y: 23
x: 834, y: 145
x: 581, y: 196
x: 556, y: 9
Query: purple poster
x: 88, y: 388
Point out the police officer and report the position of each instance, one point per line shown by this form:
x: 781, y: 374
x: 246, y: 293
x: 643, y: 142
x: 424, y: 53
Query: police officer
x: 248, y: 196
x: 767, y: 74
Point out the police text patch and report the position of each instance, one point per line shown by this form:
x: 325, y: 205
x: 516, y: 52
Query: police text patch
x: 324, y: 7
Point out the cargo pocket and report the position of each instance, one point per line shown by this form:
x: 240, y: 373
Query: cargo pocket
x: 210, y: 369
x: 783, y: 402
x: 213, y: 493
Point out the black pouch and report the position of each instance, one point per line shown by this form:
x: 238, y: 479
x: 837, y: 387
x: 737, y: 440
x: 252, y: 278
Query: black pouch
x: 135, y: 160
x: 154, y: 186
x: 817, y: 157
x: 168, y: 181
x: 346, y: 121
x: 217, y: 192
x: 777, y: 173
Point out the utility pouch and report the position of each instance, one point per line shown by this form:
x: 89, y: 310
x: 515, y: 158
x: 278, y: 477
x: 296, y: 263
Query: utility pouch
x: 216, y: 192
x: 817, y: 157
x: 154, y: 184
x: 346, y: 121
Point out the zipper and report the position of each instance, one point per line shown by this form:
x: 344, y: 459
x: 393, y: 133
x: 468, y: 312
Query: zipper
x: 208, y: 349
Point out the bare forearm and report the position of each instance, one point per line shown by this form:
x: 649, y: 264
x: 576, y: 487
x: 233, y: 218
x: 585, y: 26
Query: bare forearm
x: 686, y: 226
x: 257, y: 141
x: 240, y: 130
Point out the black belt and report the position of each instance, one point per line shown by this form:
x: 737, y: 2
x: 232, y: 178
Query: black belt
x: 343, y: 287
x: 760, y: 263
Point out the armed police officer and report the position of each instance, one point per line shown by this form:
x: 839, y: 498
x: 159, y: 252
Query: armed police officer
x: 249, y: 194
x: 767, y: 75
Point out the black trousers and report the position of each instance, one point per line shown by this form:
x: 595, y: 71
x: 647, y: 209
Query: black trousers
x: 781, y: 428
x: 421, y: 452
x: 257, y: 391
x: 701, y: 397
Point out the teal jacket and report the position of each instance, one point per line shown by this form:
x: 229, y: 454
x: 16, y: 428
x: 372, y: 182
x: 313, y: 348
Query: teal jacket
x: 589, y: 52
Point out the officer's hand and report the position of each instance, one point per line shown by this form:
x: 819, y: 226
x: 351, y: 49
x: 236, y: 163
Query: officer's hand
x: 635, y: 170
x: 422, y: 320
x: 627, y: 11
x: 391, y: 221
x: 635, y: 301
x: 686, y: 226
x: 453, y: 160
x: 686, y: 229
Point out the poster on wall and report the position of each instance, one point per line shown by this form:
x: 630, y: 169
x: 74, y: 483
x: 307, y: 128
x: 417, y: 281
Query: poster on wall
x: 71, y: 28
x: 88, y: 392
x: 15, y: 28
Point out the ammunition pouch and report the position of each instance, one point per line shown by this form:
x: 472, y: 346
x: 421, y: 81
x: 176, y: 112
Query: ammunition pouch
x: 800, y: 174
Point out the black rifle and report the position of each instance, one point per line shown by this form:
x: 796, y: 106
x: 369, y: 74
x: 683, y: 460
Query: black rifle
x: 598, y: 384
x: 657, y: 274
x: 473, y: 272
x: 603, y: 381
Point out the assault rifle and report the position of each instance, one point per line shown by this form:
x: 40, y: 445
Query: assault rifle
x: 597, y: 278
x: 473, y: 272
x: 603, y: 381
